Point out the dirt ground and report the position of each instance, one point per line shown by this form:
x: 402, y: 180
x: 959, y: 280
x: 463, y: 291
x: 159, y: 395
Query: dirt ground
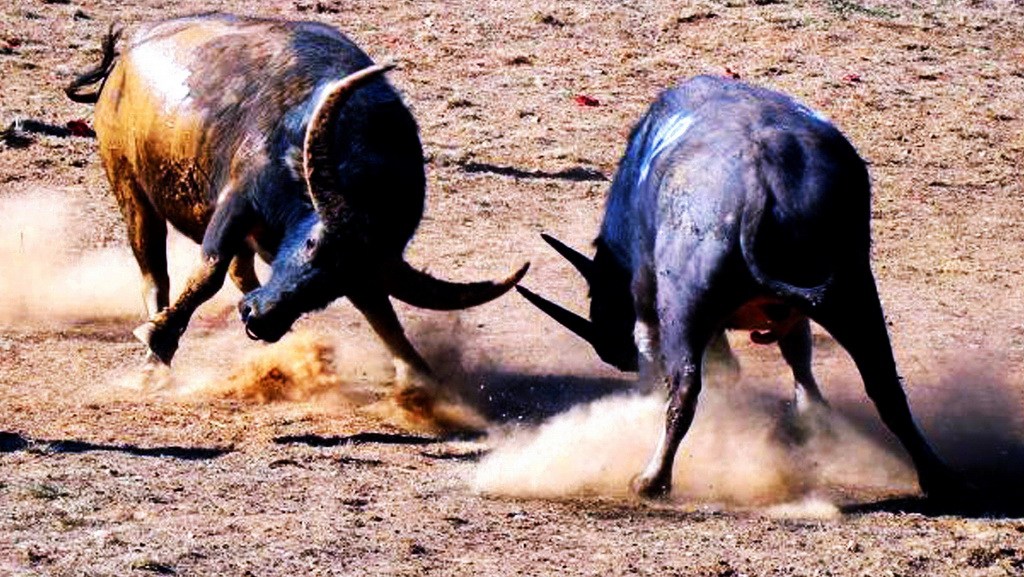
x: 229, y: 468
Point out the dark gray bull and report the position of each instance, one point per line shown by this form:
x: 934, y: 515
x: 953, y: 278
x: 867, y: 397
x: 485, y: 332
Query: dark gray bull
x: 274, y: 138
x: 736, y: 207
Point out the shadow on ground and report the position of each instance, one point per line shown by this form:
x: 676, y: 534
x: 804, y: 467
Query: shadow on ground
x: 358, y: 439
x: 508, y: 397
x: 985, y: 505
x: 12, y: 442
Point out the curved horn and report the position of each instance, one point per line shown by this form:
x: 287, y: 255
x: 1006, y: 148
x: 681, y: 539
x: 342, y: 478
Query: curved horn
x: 568, y: 319
x: 419, y: 289
x: 318, y: 147
x: 578, y: 260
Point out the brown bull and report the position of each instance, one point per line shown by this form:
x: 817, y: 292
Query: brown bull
x: 274, y: 138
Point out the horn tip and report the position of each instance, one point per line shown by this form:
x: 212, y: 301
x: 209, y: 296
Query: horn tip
x: 555, y: 243
x: 548, y: 238
x: 519, y: 274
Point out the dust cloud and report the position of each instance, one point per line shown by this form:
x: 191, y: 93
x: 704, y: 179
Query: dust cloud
x: 437, y: 405
x: 53, y: 269
x: 742, y: 450
x: 306, y: 366
x: 429, y: 409
x: 50, y: 268
x: 974, y: 415
x: 44, y: 273
x: 300, y: 367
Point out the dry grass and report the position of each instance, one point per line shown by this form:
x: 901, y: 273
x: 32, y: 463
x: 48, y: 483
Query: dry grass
x: 931, y: 93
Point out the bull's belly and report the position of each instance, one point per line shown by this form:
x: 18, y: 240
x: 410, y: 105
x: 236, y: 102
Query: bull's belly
x: 184, y: 198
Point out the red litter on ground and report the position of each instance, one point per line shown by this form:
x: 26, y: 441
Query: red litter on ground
x: 584, y: 100
x: 80, y: 128
x: 852, y: 78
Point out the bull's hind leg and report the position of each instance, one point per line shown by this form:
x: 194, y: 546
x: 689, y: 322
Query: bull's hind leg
x: 853, y: 315
x: 796, y: 349
x: 147, y: 235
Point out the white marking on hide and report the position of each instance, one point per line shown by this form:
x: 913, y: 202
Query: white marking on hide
x: 667, y: 134
x: 225, y: 194
x: 162, y: 72
x: 645, y: 339
x: 317, y: 231
x: 293, y: 161
x: 149, y: 296
x: 648, y: 345
x: 812, y: 113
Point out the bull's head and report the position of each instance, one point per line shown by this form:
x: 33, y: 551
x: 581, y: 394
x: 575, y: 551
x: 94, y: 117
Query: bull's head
x: 610, y: 327
x: 338, y: 251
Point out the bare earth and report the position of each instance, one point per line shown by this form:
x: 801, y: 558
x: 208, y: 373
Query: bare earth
x: 299, y: 459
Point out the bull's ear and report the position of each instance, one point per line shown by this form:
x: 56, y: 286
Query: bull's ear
x: 578, y: 260
x: 320, y: 154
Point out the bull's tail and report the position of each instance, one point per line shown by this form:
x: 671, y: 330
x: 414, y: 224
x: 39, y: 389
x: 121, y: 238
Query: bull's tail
x: 756, y: 209
x: 98, y: 74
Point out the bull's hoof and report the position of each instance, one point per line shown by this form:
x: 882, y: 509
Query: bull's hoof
x: 161, y: 348
x: 652, y: 489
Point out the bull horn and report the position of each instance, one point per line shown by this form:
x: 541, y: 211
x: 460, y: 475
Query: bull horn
x: 419, y: 289
x: 568, y: 319
x: 319, y: 146
x: 578, y: 260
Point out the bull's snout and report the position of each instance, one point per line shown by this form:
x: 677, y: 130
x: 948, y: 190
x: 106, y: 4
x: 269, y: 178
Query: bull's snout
x: 260, y: 321
x: 244, y: 310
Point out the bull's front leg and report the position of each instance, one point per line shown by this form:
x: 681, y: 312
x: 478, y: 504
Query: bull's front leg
x: 685, y: 329
x: 684, y: 384
x: 377, y: 308
x: 690, y: 306
x: 646, y: 335
x: 222, y: 240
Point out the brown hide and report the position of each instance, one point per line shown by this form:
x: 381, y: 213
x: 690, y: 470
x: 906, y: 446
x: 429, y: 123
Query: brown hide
x: 160, y: 109
x: 274, y: 137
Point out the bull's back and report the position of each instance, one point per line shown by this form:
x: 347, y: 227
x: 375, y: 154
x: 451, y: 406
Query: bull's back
x: 715, y: 148
x: 194, y: 103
